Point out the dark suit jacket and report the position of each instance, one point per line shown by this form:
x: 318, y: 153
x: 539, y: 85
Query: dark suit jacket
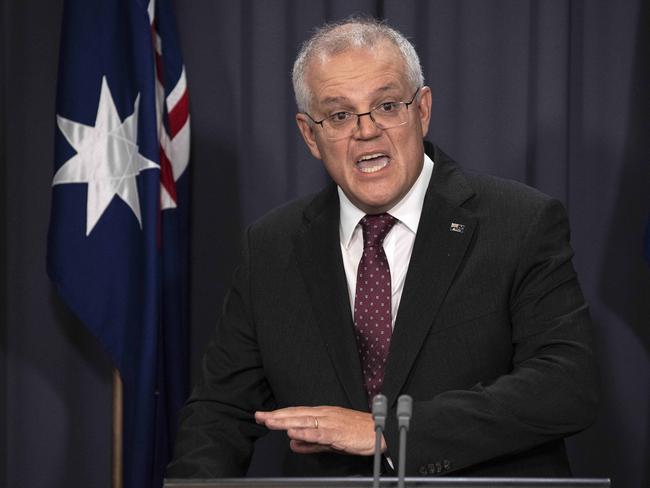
x: 492, y: 338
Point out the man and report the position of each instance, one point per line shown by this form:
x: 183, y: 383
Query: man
x: 406, y: 277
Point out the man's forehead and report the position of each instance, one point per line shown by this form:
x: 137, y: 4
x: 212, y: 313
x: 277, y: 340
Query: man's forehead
x: 373, y: 71
x: 382, y: 51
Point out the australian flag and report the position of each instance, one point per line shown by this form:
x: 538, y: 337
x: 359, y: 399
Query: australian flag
x: 117, y: 243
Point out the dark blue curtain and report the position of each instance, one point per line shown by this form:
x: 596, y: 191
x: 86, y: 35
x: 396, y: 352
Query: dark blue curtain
x: 553, y: 93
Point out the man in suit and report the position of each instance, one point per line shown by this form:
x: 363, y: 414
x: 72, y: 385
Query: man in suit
x: 473, y: 308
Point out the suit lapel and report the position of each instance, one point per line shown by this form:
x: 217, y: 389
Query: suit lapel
x: 444, y: 233
x: 319, y: 257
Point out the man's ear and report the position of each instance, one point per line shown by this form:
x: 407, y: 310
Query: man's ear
x: 307, y: 131
x: 424, y: 108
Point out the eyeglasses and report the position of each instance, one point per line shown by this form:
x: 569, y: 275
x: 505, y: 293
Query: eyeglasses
x: 385, y: 116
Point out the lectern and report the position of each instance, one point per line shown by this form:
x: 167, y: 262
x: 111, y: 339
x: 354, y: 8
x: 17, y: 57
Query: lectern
x: 390, y: 483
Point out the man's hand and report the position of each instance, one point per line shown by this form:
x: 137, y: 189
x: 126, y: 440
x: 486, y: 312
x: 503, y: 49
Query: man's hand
x: 321, y: 429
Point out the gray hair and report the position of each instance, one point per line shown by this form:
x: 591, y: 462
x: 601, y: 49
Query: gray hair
x: 354, y: 32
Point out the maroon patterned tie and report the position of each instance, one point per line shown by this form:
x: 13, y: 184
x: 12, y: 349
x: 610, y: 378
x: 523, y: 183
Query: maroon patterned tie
x: 372, y: 302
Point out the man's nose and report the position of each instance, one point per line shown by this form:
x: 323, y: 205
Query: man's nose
x: 366, y: 127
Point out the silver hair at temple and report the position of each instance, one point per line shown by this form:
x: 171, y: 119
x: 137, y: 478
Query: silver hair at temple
x: 338, y: 37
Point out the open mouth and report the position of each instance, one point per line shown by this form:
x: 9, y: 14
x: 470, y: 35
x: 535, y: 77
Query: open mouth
x: 371, y: 163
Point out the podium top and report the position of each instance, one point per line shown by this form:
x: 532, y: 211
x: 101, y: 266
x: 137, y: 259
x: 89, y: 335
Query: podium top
x: 389, y: 483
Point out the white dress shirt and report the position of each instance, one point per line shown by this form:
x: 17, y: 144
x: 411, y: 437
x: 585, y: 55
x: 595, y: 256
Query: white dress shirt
x: 398, y: 244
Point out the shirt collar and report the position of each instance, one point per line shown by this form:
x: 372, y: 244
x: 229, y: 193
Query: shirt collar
x: 407, y: 210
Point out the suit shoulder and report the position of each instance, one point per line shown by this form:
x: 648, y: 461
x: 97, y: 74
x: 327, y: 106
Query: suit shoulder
x: 284, y: 218
x: 507, y: 195
x: 471, y: 189
x: 289, y: 218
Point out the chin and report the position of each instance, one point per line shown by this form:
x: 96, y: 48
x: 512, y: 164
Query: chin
x: 376, y: 206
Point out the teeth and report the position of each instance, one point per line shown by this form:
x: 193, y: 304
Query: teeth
x: 374, y: 169
x: 380, y: 164
x: 371, y: 156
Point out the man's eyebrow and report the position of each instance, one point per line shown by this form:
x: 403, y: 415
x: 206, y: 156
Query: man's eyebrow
x: 341, y: 100
x: 335, y: 100
x: 386, y: 88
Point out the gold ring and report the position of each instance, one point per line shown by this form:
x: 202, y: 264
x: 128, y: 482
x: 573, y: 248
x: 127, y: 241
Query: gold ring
x: 315, y: 422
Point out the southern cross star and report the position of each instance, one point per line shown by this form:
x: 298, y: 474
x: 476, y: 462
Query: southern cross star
x: 107, y: 158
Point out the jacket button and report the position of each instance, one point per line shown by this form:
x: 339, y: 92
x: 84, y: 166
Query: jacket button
x: 422, y: 470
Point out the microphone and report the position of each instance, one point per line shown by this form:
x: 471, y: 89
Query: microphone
x: 404, y: 411
x: 379, y: 412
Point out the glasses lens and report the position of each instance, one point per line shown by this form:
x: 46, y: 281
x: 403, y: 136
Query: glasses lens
x: 339, y: 127
x: 388, y: 115
x: 385, y: 116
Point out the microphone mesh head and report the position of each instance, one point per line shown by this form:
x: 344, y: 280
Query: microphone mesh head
x: 404, y: 411
x: 379, y: 405
x: 404, y: 406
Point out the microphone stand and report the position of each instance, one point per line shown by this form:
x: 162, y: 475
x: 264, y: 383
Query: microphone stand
x: 404, y: 411
x: 379, y: 412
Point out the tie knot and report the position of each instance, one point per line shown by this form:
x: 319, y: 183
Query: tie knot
x: 375, y: 228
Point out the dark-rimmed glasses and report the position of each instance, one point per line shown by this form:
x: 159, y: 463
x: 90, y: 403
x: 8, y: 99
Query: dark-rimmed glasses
x: 385, y: 116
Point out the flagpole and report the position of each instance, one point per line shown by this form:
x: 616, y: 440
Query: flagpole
x: 118, y: 416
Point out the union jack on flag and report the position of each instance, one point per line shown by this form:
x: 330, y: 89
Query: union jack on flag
x: 118, y: 237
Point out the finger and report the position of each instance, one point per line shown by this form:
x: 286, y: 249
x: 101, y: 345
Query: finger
x: 302, y: 447
x: 288, y: 412
x: 308, y: 422
x: 313, y: 436
x: 263, y: 417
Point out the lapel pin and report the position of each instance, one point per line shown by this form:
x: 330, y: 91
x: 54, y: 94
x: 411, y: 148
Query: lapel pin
x: 454, y: 227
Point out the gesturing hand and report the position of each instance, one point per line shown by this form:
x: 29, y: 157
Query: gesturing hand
x: 320, y: 429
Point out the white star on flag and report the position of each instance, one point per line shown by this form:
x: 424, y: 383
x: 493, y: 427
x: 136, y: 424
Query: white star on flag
x: 107, y: 158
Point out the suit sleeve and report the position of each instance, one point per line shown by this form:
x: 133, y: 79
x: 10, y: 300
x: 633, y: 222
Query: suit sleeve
x: 552, y: 389
x: 217, y: 428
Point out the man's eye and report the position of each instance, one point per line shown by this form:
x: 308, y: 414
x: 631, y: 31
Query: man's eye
x: 340, y: 117
x: 388, y: 106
